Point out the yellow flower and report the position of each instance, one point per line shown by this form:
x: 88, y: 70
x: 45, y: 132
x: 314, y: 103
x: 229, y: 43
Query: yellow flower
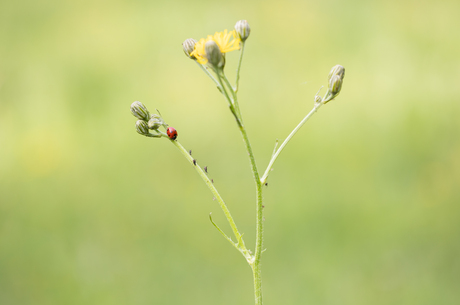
x: 226, y: 41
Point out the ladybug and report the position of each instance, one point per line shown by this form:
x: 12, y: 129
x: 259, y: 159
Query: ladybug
x: 172, y: 133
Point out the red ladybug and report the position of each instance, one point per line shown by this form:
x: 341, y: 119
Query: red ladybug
x: 172, y: 133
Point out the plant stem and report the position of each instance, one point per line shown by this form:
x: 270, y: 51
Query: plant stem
x: 227, y: 82
x: 254, y: 262
x: 240, y: 243
x: 257, y: 284
x: 259, y: 207
x: 237, y: 81
x: 231, y: 101
x: 263, y: 180
x: 259, y: 221
x: 205, y: 70
x: 234, y: 95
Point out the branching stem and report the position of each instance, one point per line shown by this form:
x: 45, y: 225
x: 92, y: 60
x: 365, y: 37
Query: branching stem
x: 255, y: 263
x: 263, y: 180
x: 240, y: 243
x: 205, y: 70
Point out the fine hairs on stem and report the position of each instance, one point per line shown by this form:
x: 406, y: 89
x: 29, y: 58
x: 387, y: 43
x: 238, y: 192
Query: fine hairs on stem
x: 209, y: 54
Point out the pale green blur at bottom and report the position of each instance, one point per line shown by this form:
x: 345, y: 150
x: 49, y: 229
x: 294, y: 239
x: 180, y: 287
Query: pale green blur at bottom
x: 362, y: 206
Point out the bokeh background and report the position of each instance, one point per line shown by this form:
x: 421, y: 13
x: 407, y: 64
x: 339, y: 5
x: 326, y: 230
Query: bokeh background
x: 361, y: 208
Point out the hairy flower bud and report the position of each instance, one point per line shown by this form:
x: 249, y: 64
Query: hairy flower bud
x: 337, y: 70
x: 140, y: 111
x: 243, y: 29
x: 189, y: 46
x: 142, y: 128
x: 335, y: 80
x: 214, y: 55
x: 335, y: 84
x: 155, y: 122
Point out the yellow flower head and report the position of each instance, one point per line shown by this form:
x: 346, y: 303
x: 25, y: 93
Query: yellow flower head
x: 225, y: 41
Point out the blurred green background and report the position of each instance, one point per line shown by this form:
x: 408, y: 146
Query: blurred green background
x: 362, y: 207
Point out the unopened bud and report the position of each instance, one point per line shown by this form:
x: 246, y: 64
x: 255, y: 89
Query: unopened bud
x: 214, y: 55
x: 155, y: 122
x: 318, y: 99
x: 142, y: 128
x: 140, y: 111
x: 335, y: 80
x: 243, y: 29
x: 337, y: 70
x: 335, y: 84
x: 189, y: 46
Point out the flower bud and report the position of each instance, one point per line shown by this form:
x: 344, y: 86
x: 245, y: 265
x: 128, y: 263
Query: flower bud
x: 318, y: 99
x: 140, y: 111
x: 335, y: 80
x: 243, y: 29
x: 335, y: 84
x: 214, y: 55
x: 142, y: 128
x: 155, y: 122
x: 337, y: 70
x: 189, y: 46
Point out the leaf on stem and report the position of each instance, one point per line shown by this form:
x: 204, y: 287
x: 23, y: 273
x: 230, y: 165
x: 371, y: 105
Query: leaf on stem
x: 222, y: 232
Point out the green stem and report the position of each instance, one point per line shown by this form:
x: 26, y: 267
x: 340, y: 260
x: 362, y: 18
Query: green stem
x: 255, y: 265
x: 229, y: 86
x: 259, y: 221
x: 223, y: 206
x: 263, y: 180
x: 237, y: 81
x: 205, y: 70
x: 257, y: 284
x: 255, y: 260
x: 231, y: 102
x: 235, y: 96
x: 224, y: 91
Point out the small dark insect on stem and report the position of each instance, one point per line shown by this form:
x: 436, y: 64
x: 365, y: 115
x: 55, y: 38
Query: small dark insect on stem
x: 206, y: 169
x: 190, y: 152
x: 194, y: 162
